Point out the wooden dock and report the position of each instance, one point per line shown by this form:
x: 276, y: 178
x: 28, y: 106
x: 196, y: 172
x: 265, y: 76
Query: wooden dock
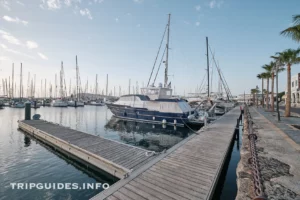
x: 115, y: 158
x: 189, y: 170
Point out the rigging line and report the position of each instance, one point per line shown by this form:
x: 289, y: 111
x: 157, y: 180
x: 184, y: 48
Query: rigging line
x: 159, y: 65
x: 212, y: 74
x: 157, y: 55
x: 223, y: 81
x: 200, y: 88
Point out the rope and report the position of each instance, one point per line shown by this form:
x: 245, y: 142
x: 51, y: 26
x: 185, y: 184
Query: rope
x: 157, y: 55
x: 151, y: 153
x: 159, y: 66
x: 189, y: 127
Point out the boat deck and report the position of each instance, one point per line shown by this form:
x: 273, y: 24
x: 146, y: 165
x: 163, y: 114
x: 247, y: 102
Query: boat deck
x: 115, y: 158
x: 189, y: 170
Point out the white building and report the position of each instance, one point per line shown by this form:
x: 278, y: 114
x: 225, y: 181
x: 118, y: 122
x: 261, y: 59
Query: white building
x: 295, y: 90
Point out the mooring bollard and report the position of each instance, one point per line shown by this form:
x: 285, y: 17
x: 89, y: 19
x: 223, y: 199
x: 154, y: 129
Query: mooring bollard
x: 27, y: 111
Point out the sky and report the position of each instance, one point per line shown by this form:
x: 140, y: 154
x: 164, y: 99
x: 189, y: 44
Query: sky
x: 121, y: 38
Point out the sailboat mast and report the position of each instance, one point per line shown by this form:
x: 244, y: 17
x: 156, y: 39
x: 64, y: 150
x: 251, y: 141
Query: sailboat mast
x: 96, y: 85
x: 167, y: 54
x: 77, y: 93
x: 12, y: 77
x: 61, y: 81
x: 207, y: 56
x: 106, y: 84
x: 21, y: 84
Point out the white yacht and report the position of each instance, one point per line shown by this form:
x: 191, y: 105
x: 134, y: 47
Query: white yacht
x: 59, y: 103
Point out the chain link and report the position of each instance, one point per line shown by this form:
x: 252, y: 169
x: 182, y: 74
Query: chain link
x: 257, y: 180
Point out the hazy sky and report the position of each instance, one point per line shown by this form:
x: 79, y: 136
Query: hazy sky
x: 121, y: 38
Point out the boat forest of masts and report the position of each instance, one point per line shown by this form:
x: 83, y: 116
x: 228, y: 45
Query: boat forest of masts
x: 61, y: 94
x: 58, y: 94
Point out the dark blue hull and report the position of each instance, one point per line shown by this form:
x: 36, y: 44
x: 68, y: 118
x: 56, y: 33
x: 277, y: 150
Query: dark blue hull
x: 142, y: 114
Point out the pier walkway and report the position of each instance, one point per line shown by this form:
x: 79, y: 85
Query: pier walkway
x: 189, y: 170
x: 115, y: 158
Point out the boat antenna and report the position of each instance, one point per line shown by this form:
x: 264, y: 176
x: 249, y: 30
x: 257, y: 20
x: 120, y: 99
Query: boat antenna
x: 167, y: 54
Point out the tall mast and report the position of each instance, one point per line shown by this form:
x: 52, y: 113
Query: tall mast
x: 96, y: 85
x: 129, y: 87
x: 9, y: 92
x: 167, y: 54
x: 12, y: 79
x: 21, y: 84
x: 34, y: 86
x: 106, y: 84
x: 208, y: 94
x: 55, y: 87
x: 61, y: 81
x: 77, y: 93
x: 45, y: 88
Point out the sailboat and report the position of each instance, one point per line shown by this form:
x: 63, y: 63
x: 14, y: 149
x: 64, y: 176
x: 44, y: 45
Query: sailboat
x: 156, y: 104
x: 96, y: 102
x: 20, y: 103
x: 77, y: 102
x: 61, y: 102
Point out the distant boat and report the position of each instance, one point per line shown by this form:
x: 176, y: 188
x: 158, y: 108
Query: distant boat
x: 18, y: 105
x: 97, y: 103
x: 46, y: 102
x: 59, y: 103
x: 75, y: 103
x: 35, y: 104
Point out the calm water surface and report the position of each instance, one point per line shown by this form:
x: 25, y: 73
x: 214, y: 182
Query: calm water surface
x: 25, y: 160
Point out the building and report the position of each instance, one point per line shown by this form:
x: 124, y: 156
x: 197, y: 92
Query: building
x: 295, y: 90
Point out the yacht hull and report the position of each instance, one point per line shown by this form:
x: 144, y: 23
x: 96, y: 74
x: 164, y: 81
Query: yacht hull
x: 145, y: 115
x: 77, y: 104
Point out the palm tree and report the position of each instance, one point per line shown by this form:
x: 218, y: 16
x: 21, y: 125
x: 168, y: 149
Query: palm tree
x: 268, y: 69
x: 262, y: 76
x: 293, y: 31
x: 253, y: 91
x: 288, y: 58
x: 273, y: 65
x: 280, y: 69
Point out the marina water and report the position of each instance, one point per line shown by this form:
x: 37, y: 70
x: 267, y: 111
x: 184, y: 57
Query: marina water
x: 26, y: 160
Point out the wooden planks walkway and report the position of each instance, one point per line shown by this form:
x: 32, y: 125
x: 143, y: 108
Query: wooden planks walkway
x: 117, y: 159
x: 189, y: 170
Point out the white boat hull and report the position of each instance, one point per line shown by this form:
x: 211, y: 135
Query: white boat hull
x: 97, y: 104
x: 59, y: 103
x: 75, y: 104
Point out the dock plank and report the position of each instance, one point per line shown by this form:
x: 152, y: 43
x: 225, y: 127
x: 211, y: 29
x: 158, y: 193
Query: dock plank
x: 108, y: 155
x: 187, y: 171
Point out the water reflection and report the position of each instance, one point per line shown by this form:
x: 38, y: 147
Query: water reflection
x: 27, y: 141
x: 148, y: 136
x: 24, y: 159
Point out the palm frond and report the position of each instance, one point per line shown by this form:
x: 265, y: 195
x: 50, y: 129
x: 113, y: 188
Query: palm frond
x: 292, y: 32
x: 296, y: 19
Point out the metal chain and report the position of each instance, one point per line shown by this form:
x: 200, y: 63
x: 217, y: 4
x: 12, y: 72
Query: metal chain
x: 257, y: 180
